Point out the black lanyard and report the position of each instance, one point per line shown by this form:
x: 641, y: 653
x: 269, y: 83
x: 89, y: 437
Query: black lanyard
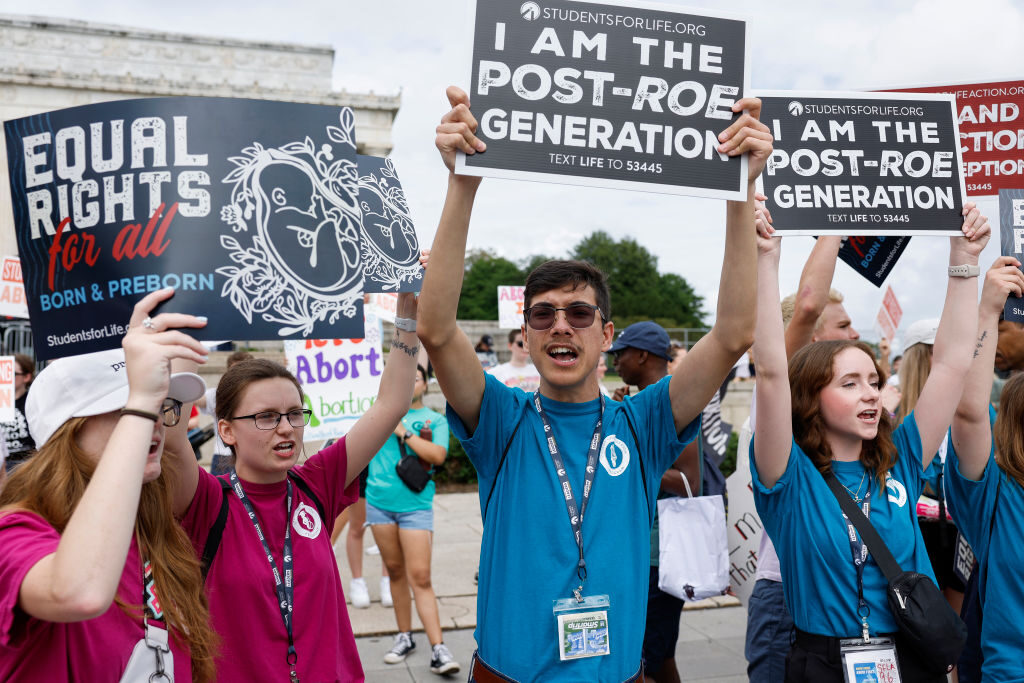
x: 860, y: 556
x: 285, y: 589
x: 575, y: 516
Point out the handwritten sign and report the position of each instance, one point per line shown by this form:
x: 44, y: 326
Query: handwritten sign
x: 13, y: 302
x: 744, y: 526
x: 7, y: 370
x: 510, y: 306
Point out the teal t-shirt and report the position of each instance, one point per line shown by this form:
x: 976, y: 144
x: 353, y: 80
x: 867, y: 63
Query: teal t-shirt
x: 384, y: 490
x: 806, y: 525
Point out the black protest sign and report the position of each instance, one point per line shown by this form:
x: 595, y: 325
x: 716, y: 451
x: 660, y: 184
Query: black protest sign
x: 863, y: 164
x: 389, y: 248
x: 873, y: 257
x: 1011, y: 238
x: 247, y: 208
x: 626, y: 95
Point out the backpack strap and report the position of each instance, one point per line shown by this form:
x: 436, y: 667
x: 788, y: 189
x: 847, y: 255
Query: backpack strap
x: 501, y: 464
x: 301, y: 483
x: 876, y: 546
x: 217, y: 530
x: 643, y: 472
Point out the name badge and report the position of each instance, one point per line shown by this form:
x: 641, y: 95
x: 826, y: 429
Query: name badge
x: 582, y: 627
x: 869, y: 661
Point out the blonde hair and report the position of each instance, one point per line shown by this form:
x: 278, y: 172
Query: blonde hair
x: 789, y: 306
x: 1008, y: 431
x: 914, y: 370
x: 52, y: 482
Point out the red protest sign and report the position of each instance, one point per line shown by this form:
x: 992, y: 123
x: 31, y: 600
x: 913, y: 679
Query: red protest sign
x: 885, y: 324
x: 991, y: 119
x: 892, y: 307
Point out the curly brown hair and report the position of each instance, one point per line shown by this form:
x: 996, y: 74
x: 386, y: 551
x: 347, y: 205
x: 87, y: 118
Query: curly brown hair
x: 810, y: 371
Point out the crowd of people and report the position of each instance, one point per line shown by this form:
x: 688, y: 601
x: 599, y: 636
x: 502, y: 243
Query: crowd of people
x: 116, y: 538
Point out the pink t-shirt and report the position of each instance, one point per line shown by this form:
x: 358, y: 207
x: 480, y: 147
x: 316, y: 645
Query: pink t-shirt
x: 93, y: 650
x: 240, y: 583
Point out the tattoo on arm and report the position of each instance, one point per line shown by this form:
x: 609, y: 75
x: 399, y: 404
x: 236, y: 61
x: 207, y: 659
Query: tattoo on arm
x: 410, y: 351
x: 981, y: 343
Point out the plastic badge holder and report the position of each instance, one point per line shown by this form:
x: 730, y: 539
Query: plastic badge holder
x: 582, y: 627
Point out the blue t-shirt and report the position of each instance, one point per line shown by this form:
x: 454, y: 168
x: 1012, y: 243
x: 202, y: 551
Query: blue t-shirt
x: 385, y: 490
x: 804, y: 521
x: 528, y: 555
x: 973, y: 504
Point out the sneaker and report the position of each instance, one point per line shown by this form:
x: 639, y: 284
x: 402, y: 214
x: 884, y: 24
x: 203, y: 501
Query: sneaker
x: 401, y: 649
x: 358, y: 594
x: 373, y: 550
x: 385, y: 592
x: 442, y: 662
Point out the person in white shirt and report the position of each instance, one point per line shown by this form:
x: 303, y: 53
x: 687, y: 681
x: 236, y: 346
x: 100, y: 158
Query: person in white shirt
x: 519, y: 371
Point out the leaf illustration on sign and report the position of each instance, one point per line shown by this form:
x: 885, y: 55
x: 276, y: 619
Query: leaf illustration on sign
x: 293, y: 209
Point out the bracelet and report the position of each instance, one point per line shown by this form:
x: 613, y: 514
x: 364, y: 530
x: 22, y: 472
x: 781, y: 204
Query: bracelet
x: 140, y: 413
x: 964, y: 270
x: 405, y: 324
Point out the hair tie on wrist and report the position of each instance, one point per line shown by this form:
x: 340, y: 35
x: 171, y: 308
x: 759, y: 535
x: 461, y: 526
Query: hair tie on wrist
x: 140, y: 413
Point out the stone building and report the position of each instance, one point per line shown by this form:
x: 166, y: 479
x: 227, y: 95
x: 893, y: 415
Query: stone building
x: 48, y: 64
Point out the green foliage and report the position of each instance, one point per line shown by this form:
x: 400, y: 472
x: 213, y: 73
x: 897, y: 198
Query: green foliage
x: 457, y: 468
x: 728, y: 465
x: 484, y: 273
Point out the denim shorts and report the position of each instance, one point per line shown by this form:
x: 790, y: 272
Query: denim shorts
x: 417, y: 519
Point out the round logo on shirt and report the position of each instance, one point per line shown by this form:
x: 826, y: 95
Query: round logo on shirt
x: 614, y: 455
x: 897, y: 492
x: 306, y: 521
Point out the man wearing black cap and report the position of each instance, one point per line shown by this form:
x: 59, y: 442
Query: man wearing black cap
x: 642, y: 354
x: 485, y: 352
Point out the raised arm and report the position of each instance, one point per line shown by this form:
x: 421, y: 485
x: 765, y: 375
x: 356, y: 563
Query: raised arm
x: 80, y: 579
x: 455, y: 363
x: 812, y: 294
x: 773, y: 437
x: 972, y: 432
x: 954, y: 340
x: 702, y: 371
x: 371, y: 430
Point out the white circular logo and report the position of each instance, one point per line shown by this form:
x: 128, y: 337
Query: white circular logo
x: 530, y: 11
x: 614, y: 455
x: 897, y: 492
x: 306, y: 521
x: 795, y: 108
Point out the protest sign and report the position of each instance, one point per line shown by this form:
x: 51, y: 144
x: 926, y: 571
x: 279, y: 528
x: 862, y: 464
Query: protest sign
x: 892, y: 307
x: 248, y: 208
x: 873, y: 257
x: 7, y: 370
x: 744, y: 526
x: 863, y: 163
x: 510, y: 306
x: 885, y: 324
x: 340, y: 379
x: 627, y: 95
x: 1011, y: 237
x: 991, y: 117
x: 12, y: 290
x: 389, y: 248
x: 382, y: 305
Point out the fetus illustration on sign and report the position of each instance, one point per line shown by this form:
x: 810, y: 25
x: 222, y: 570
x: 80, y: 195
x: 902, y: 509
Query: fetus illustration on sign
x: 389, y: 248
x: 295, y: 231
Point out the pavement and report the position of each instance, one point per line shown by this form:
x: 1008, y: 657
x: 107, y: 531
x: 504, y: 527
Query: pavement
x: 711, y: 632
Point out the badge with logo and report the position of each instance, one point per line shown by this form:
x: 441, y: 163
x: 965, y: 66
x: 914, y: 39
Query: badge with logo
x: 582, y: 627
x: 306, y: 521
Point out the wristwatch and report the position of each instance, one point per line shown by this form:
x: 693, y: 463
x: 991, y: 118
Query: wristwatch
x: 964, y: 271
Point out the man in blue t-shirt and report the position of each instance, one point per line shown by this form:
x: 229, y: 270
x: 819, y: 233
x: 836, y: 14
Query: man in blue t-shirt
x: 568, y: 478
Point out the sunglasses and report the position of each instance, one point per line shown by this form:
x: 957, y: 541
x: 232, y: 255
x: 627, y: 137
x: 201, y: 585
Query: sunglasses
x: 519, y: 343
x: 578, y: 315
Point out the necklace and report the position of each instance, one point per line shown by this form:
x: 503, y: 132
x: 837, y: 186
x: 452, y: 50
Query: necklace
x: 857, y: 498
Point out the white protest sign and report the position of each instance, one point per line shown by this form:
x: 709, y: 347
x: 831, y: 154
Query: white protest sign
x: 12, y: 290
x: 510, y: 307
x: 384, y: 305
x: 744, y: 526
x: 7, y: 370
x: 340, y: 378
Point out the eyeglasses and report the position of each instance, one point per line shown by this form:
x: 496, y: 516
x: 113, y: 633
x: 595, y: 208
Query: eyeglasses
x: 171, y: 411
x: 519, y: 343
x: 269, y: 419
x: 578, y: 315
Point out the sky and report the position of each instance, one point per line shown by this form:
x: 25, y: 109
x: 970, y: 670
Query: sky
x: 418, y: 48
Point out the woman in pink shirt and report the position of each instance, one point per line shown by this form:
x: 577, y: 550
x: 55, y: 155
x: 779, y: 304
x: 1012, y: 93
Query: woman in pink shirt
x: 275, y: 592
x: 97, y: 580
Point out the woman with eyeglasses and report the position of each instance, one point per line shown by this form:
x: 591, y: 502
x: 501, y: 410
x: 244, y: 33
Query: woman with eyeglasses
x: 264, y: 529
x: 402, y: 521
x: 98, y: 582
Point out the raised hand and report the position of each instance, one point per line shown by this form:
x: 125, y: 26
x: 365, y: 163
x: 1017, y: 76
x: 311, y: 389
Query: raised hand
x: 457, y: 130
x: 748, y: 134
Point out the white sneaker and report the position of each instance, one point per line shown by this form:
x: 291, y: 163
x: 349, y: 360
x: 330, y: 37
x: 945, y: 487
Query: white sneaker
x: 401, y: 649
x: 442, y: 662
x: 385, y: 592
x: 373, y: 550
x: 358, y: 594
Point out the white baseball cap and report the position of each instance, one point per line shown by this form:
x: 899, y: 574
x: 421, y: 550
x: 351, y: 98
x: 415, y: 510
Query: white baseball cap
x: 921, y: 332
x: 90, y: 384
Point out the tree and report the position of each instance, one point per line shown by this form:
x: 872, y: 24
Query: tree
x: 485, y: 271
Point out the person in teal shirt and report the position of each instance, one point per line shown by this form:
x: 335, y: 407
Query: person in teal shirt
x: 402, y: 522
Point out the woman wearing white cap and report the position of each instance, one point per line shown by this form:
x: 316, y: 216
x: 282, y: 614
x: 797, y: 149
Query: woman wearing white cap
x: 98, y: 582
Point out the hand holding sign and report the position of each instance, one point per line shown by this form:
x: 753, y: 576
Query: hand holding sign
x: 457, y: 130
x: 748, y: 134
x: 1002, y: 279
x: 976, y: 232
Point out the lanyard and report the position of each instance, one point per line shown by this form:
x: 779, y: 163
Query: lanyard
x: 151, y: 611
x: 285, y: 589
x: 575, y: 516
x: 860, y: 555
